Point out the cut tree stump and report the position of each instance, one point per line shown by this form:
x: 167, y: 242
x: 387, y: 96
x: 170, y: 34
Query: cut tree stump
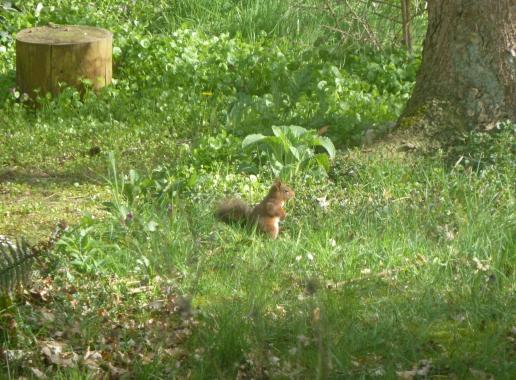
x: 49, y: 56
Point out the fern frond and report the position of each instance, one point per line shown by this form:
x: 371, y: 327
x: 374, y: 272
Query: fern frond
x: 15, y: 264
x: 16, y: 259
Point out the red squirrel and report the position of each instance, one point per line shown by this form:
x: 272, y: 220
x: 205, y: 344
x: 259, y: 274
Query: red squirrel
x: 265, y: 215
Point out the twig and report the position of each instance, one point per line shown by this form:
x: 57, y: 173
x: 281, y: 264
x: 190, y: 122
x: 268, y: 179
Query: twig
x: 336, y: 30
x: 365, y: 25
x: 380, y: 2
x: 382, y: 274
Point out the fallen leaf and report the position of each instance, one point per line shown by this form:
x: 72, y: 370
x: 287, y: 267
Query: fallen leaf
x: 38, y: 374
x: 91, y: 359
x: 421, y: 370
x: 280, y: 311
x: 323, y: 202
x: 47, y: 316
x: 40, y: 295
x: 378, y: 372
x: 140, y: 289
x: 55, y: 354
x: 14, y: 355
x: 156, y: 305
x: 316, y: 314
x: 116, y: 372
x: 184, y: 306
x: 406, y: 147
x: 480, y: 375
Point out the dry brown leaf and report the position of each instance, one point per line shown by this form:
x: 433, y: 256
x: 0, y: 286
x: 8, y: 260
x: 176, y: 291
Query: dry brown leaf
x: 55, y: 353
x: 38, y: 374
x: 378, y: 372
x: 14, y: 355
x: 316, y: 314
x: 140, y: 289
x: 156, y: 305
x: 74, y: 303
x: 116, y: 372
x: 421, y: 370
x: 47, y: 315
x: 91, y: 359
x: 323, y: 202
x: 480, y: 375
x: 174, y: 352
x: 147, y: 357
x: 40, y: 295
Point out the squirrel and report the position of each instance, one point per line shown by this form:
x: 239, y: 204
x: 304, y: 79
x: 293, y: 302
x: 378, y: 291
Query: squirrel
x: 266, y: 214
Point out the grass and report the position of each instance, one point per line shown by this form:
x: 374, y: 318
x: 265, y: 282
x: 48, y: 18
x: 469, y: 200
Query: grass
x: 392, y: 261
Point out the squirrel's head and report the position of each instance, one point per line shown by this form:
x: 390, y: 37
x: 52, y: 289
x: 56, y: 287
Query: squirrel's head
x: 282, y: 190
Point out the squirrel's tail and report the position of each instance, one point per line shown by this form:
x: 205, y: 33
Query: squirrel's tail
x: 233, y: 210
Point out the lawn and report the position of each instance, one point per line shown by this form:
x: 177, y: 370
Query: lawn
x: 390, y: 263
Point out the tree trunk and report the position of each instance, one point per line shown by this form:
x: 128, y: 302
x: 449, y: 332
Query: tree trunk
x: 405, y: 22
x: 469, y: 61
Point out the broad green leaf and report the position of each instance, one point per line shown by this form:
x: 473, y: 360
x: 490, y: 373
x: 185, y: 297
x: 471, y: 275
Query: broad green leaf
x: 304, y: 152
x: 273, y: 141
x: 279, y: 130
x: 276, y: 167
x: 252, y: 139
x: 336, y: 72
x: 294, y: 152
x: 323, y: 160
x: 291, y: 148
x: 327, y: 144
x: 297, y: 130
x: 192, y: 181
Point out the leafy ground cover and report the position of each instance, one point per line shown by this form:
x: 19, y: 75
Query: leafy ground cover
x: 390, y: 265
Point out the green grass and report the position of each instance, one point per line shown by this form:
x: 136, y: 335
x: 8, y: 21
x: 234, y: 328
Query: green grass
x: 390, y: 260
x: 411, y: 260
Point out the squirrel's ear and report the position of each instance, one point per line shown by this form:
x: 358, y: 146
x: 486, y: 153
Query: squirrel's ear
x: 277, y: 183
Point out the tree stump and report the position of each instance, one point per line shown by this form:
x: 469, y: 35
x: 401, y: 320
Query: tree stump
x: 49, y: 56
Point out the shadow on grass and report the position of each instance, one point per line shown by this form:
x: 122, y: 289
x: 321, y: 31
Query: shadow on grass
x: 359, y: 331
x: 32, y: 203
x: 7, y: 83
x: 39, y: 178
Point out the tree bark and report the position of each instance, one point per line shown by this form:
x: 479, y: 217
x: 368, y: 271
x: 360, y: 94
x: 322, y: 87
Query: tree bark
x: 469, y: 60
x: 405, y: 21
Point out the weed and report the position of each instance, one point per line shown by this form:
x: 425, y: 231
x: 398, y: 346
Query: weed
x: 291, y: 150
x: 389, y: 263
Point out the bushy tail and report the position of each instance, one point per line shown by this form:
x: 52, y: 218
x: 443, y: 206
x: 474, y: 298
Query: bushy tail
x: 233, y: 210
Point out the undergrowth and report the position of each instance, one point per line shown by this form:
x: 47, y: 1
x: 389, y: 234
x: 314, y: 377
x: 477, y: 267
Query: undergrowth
x: 388, y: 264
